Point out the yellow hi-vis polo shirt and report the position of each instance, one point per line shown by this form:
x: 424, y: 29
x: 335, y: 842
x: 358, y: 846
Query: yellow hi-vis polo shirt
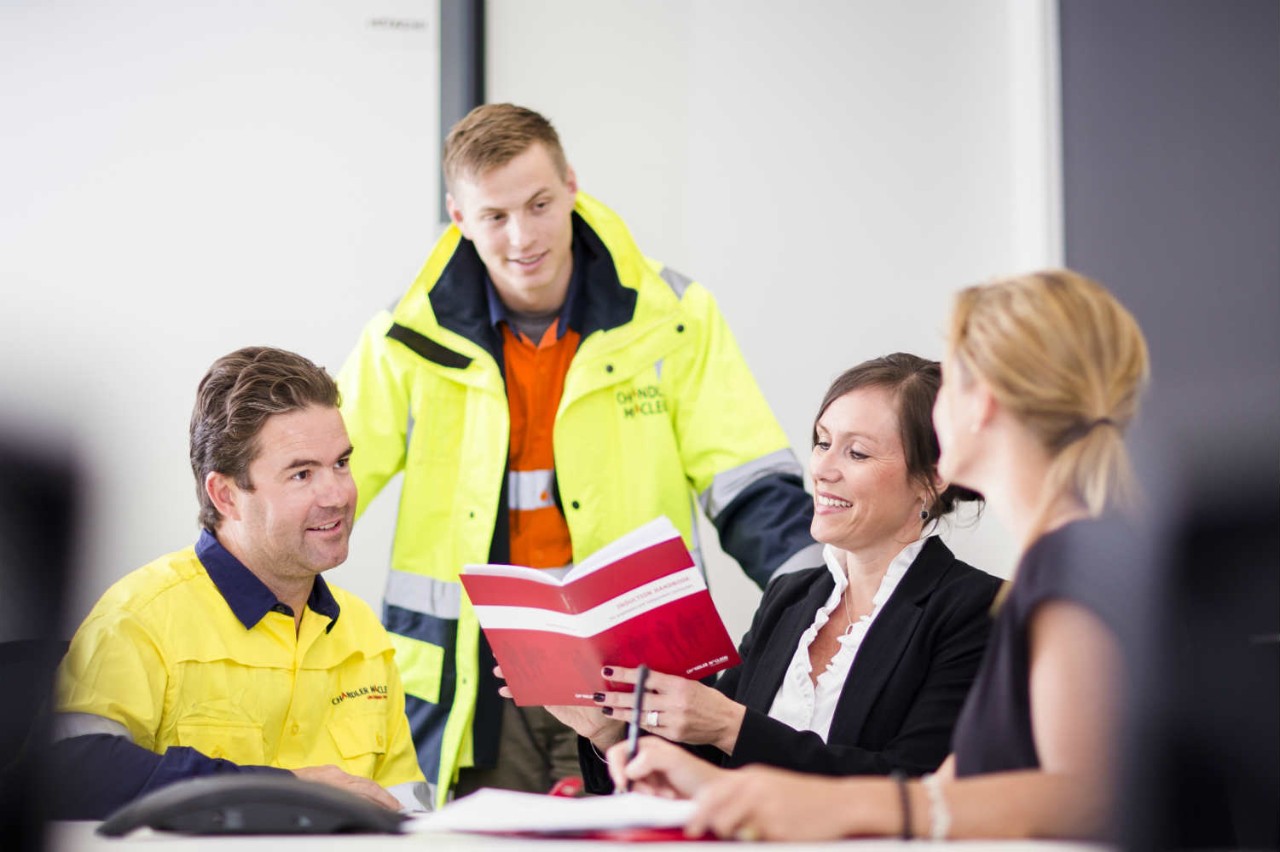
x: 193, y: 650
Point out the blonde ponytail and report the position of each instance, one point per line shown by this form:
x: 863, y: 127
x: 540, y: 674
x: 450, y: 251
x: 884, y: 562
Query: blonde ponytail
x: 1068, y: 360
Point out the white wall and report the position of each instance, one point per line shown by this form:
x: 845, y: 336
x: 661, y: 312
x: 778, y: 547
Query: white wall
x: 180, y: 184
x: 833, y: 171
x: 183, y: 179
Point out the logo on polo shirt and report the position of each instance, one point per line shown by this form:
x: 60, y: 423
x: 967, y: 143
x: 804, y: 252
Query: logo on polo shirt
x: 373, y: 692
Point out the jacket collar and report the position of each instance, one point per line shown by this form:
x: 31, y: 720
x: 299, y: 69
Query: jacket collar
x: 882, y: 646
x: 460, y: 302
x: 890, y: 635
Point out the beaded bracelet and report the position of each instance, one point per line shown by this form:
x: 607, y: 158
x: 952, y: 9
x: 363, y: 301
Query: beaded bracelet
x: 939, y: 815
x: 900, y: 778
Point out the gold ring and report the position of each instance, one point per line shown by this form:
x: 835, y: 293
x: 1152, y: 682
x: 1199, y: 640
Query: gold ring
x: 747, y: 834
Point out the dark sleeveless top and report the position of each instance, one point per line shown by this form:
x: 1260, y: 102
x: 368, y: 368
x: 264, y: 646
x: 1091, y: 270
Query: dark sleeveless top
x: 993, y: 732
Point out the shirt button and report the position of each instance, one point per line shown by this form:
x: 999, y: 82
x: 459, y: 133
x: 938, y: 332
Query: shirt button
x: 294, y: 729
x: 379, y: 739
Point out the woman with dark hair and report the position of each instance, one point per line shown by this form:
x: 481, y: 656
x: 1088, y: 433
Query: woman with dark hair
x: 1043, y: 376
x: 859, y: 666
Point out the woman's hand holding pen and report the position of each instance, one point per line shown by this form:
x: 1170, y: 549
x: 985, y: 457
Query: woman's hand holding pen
x: 660, y: 769
x: 676, y: 708
x: 756, y: 802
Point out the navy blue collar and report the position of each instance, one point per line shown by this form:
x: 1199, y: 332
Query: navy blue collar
x: 567, y: 318
x: 248, y: 597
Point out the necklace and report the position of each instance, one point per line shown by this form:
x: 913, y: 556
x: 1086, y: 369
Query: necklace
x: 848, y: 627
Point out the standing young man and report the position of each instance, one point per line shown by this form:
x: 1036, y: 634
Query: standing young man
x: 234, y: 655
x: 545, y: 388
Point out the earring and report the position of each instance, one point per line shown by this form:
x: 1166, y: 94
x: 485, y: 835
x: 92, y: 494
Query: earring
x: 924, y: 513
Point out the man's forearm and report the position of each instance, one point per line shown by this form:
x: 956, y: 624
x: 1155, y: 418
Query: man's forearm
x: 94, y: 774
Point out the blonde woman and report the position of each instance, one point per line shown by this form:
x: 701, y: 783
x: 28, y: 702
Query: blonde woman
x: 1042, y: 376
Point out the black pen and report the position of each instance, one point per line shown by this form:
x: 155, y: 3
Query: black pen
x: 633, y: 727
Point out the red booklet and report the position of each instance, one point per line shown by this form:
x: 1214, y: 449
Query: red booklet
x: 638, y: 600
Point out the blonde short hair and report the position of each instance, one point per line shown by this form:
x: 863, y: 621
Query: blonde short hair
x: 1063, y: 356
x: 493, y: 135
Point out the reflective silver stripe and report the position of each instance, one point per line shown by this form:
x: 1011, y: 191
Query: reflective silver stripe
x: 729, y: 484
x: 805, y: 557
x: 657, y: 368
x: 426, y: 595
x: 696, y: 550
x: 677, y: 281
x: 68, y: 725
x: 531, y: 489
x: 413, y: 796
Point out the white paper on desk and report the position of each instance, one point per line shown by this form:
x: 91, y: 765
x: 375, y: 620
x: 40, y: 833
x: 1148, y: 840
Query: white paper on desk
x: 491, y: 810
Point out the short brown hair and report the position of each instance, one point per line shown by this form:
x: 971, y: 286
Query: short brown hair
x: 913, y: 382
x: 493, y: 135
x: 234, y: 400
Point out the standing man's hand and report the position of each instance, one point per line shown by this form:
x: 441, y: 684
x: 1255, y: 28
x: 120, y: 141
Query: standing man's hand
x: 363, y: 787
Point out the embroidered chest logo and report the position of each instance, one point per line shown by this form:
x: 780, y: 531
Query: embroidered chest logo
x: 641, y: 401
x: 372, y: 692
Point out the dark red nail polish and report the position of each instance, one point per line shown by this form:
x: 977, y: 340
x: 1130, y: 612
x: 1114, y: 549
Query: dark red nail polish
x: 608, y: 711
x: 607, y: 671
x: 599, y: 696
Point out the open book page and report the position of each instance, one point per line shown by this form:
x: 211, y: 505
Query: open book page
x: 501, y: 811
x: 659, y: 529
x: 520, y: 572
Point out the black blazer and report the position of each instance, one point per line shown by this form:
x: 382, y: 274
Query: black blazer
x: 905, y: 689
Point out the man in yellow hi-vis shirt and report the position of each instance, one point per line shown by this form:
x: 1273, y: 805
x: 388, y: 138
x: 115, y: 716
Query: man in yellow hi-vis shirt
x: 234, y: 655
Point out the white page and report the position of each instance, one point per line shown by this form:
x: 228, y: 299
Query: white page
x: 659, y: 529
x: 491, y: 810
x: 523, y: 572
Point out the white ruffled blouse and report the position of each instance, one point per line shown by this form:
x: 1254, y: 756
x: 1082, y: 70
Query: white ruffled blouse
x: 800, y: 703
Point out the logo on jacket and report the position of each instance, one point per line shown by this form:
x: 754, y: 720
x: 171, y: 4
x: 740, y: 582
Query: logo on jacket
x: 641, y: 401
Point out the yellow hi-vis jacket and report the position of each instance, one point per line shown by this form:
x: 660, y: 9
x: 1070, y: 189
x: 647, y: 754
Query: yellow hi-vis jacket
x: 658, y: 406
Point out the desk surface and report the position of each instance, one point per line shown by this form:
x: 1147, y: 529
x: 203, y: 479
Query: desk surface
x: 79, y: 837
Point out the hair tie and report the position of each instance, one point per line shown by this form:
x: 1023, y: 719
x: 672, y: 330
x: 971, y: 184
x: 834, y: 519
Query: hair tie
x: 1080, y: 430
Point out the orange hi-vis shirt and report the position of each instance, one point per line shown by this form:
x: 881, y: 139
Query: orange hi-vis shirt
x: 535, y: 382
